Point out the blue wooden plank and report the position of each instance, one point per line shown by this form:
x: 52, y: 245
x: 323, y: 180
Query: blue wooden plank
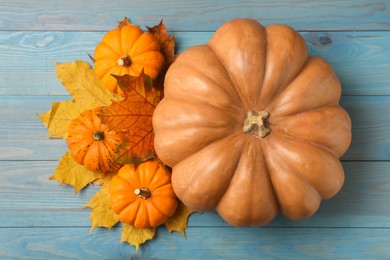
x: 370, y: 127
x: 24, y: 137
x: 41, y: 219
x: 360, y: 59
x: 29, y: 199
x: 201, y: 243
x: 194, y: 15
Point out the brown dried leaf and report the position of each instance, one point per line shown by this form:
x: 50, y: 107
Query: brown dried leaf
x: 167, y: 48
x: 124, y: 22
x: 167, y: 42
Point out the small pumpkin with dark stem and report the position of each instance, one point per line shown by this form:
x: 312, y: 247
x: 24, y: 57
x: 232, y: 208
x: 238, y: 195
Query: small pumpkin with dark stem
x: 142, y: 196
x: 92, y: 143
x: 126, y: 50
x: 252, y: 125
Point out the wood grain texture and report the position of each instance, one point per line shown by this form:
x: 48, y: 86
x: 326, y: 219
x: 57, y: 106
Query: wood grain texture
x: 29, y: 199
x: 200, y: 15
x: 24, y: 137
x: 41, y: 219
x: 360, y: 59
x: 201, y: 243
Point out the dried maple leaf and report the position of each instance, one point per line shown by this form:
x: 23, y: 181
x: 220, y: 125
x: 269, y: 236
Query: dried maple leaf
x: 178, y: 222
x: 167, y: 48
x: 124, y: 22
x: 167, y: 42
x: 133, y: 115
x: 72, y: 173
x: 136, y: 236
x: 101, y: 214
x: 87, y: 91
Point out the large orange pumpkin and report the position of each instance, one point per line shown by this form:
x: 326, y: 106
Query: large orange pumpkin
x: 126, y: 50
x: 252, y: 126
x: 92, y: 143
x: 142, y: 196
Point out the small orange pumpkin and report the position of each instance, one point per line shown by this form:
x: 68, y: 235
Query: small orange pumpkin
x: 92, y: 144
x: 143, y: 197
x: 126, y: 50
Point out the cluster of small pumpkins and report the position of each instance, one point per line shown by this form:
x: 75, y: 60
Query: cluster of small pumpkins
x: 250, y: 125
x: 141, y: 195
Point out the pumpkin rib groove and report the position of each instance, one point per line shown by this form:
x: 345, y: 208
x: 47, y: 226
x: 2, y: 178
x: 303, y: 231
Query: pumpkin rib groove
x: 131, y: 207
x: 108, y: 47
x: 156, y: 207
x: 171, y: 155
x: 125, y: 185
x: 229, y: 118
x: 127, y: 34
x: 232, y: 80
x: 139, y: 47
x: 104, y: 51
x: 342, y: 117
x: 193, y: 183
x: 282, y: 168
x: 267, y: 169
x: 317, y: 72
x: 157, y: 182
x: 207, y: 78
x: 317, y: 185
x: 282, y: 90
x: 195, y: 102
x: 250, y: 149
x: 103, y: 66
x: 289, y: 59
x: 240, y: 45
x: 111, y: 40
x: 302, y: 140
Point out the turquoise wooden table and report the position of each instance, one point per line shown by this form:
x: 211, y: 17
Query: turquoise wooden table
x: 41, y: 219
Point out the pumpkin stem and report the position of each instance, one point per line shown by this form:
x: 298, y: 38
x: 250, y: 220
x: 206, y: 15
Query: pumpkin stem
x: 125, y: 61
x: 143, y: 193
x: 98, y: 135
x: 256, y: 123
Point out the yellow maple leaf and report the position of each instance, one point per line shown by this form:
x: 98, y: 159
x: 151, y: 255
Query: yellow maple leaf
x: 136, y: 236
x: 101, y: 214
x: 178, y: 222
x: 80, y: 81
x: 72, y: 173
x: 104, y: 179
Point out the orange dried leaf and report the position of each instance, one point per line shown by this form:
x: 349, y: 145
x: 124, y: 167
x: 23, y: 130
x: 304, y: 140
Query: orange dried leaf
x: 133, y: 115
x: 178, y: 222
x: 101, y: 214
x: 167, y: 42
x: 167, y: 48
x: 72, y: 173
x: 136, y: 236
x: 124, y: 22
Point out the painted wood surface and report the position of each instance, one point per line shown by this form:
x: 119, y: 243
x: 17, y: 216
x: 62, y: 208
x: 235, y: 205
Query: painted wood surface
x: 194, y: 15
x: 359, y: 58
x: 40, y: 219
